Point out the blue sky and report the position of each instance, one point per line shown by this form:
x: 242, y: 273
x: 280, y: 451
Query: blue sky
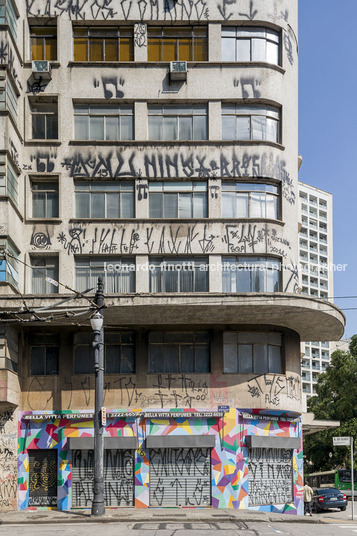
x: 328, y: 124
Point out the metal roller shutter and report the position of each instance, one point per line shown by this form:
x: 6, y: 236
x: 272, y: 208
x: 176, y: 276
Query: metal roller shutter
x: 270, y: 476
x: 118, y: 477
x: 43, y: 477
x: 180, y: 477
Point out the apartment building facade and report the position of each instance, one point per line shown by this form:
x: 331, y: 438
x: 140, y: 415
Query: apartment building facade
x: 317, y: 273
x: 153, y: 144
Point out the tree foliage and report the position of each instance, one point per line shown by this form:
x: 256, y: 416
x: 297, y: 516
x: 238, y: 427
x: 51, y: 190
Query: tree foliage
x: 336, y: 400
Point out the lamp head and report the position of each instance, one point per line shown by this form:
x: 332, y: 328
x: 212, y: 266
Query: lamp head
x: 96, y: 321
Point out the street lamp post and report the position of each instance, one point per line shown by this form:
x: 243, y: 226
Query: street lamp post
x: 98, y: 505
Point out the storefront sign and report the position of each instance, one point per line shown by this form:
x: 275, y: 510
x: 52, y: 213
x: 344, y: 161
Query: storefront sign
x: 178, y: 415
x: 267, y: 417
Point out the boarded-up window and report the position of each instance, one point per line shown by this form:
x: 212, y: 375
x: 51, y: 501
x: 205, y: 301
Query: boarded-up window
x: 270, y: 476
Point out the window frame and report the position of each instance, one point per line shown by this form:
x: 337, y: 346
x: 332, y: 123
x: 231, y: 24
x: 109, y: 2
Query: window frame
x: 105, y: 193
x: 187, y: 111
x: 90, y: 36
x: 45, y: 114
x: 9, y: 267
x: 254, y: 357
x: 44, y: 181
x: 163, y: 37
x: 42, y: 270
x: 258, y: 260
x: 98, y: 262
x: 106, y: 345
x: 269, y: 112
x: 155, y: 262
x: 268, y: 38
x: 121, y: 112
x: 167, y: 343
x: 184, y: 188
x: 44, y: 39
x: 45, y: 345
x: 258, y: 188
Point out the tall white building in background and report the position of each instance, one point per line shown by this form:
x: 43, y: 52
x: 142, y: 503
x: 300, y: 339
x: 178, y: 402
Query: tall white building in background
x: 316, y: 256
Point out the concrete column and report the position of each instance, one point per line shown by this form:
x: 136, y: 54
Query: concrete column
x: 214, y: 198
x: 215, y: 273
x: 214, y: 121
x: 140, y: 121
x: 140, y: 41
x: 142, y: 273
x: 214, y: 40
x: 142, y: 199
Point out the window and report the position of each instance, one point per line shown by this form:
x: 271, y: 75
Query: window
x: 10, y: 184
x: 177, y: 122
x: 245, y: 353
x: 250, y: 200
x: 44, y: 120
x: 44, y: 199
x: 43, y: 43
x: 103, y: 122
x: 177, y: 43
x: 119, y: 353
x: 9, y: 266
x: 178, y: 200
x: 9, y: 16
x: 250, y: 44
x: 119, y: 274
x: 251, y: 274
x: 179, y: 352
x: 8, y: 95
x: 254, y: 122
x: 103, y: 44
x: 44, y: 354
x: 44, y: 275
x: 109, y: 199
x: 172, y: 274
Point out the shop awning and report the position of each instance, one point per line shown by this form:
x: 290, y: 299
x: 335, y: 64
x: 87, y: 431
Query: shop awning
x: 87, y: 443
x: 180, y: 441
x: 273, y: 442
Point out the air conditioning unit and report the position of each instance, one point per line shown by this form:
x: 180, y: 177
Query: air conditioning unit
x: 42, y: 67
x: 178, y: 70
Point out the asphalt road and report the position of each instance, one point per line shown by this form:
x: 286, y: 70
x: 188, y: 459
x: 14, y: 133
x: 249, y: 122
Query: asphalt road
x: 183, y: 529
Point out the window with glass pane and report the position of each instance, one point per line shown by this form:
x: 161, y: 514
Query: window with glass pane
x: 178, y: 199
x: 251, y: 274
x: 254, y: 122
x: 118, y: 273
x: 177, y: 122
x: 248, y: 44
x: 250, y: 200
x: 244, y: 353
x: 44, y: 352
x: 44, y: 269
x: 119, y: 353
x: 184, y: 43
x: 103, y: 44
x: 9, y: 16
x: 104, y: 199
x: 178, y: 274
x: 179, y: 352
x: 9, y: 267
x: 44, y: 199
x: 44, y: 120
x: 103, y: 122
x: 43, y: 42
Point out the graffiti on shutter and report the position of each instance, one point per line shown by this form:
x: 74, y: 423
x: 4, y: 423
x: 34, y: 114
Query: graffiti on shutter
x: 43, y: 477
x: 270, y: 476
x: 118, y: 477
x: 180, y: 477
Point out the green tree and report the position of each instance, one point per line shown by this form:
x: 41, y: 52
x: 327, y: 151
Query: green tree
x: 336, y: 400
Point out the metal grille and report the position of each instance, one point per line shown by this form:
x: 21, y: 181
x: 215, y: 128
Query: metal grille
x: 180, y: 477
x: 43, y: 477
x: 270, y: 476
x: 118, y: 477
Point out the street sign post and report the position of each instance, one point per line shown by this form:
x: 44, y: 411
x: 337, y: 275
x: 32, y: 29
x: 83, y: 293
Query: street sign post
x: 346, y: 441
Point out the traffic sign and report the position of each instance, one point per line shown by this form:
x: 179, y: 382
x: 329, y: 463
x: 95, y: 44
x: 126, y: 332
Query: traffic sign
x: 342, y: 441
x: 104, y: 416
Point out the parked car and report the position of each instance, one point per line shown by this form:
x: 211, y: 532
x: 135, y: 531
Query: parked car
x: 328, y: 498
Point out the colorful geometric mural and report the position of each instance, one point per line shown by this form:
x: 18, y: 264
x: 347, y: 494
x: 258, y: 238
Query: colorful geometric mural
x: 229, y: 457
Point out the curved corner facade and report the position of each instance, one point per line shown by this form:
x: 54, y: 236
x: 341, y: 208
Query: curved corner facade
x: 154, y: 144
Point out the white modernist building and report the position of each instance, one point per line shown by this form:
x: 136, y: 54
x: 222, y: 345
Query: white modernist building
x: 316, y: 260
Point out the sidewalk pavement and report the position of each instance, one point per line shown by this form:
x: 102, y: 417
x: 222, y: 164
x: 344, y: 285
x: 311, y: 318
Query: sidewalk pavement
x: 152, y: 515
